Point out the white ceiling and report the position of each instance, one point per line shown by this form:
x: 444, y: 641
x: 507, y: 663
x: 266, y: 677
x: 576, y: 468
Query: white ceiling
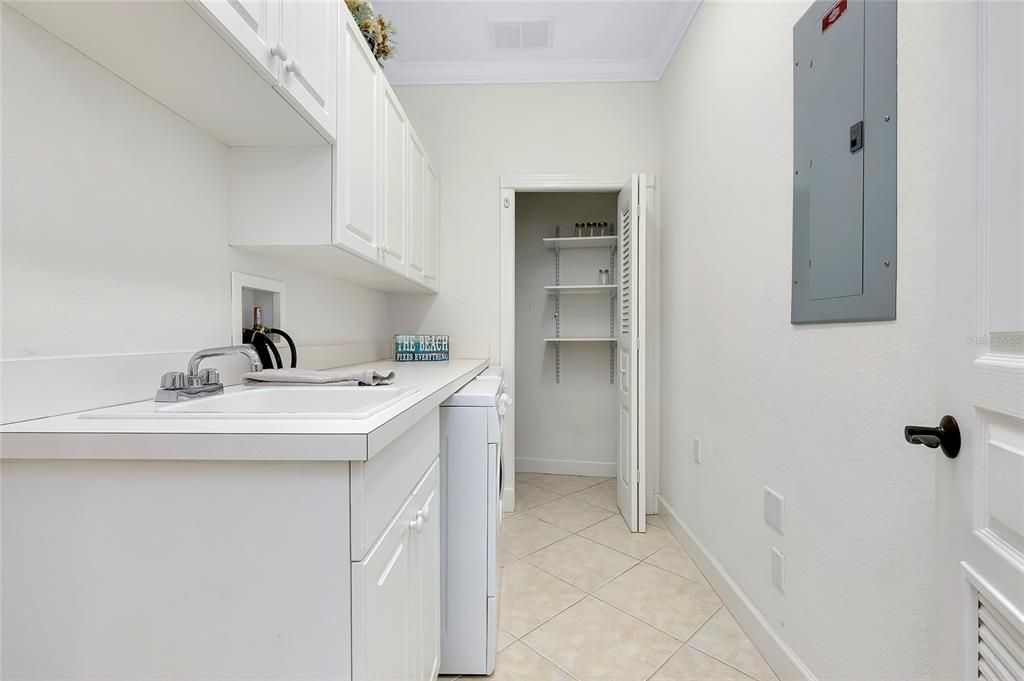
x: 594, y: 40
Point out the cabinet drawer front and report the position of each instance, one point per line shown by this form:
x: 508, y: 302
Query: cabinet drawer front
x: 381, y: 485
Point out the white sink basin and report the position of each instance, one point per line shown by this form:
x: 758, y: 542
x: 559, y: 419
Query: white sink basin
x: 277, y: 402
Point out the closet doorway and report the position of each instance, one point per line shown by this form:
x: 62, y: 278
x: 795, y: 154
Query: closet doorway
x: 576, y: 283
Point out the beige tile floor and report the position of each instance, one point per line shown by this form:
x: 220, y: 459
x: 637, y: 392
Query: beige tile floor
x: 583, y: 598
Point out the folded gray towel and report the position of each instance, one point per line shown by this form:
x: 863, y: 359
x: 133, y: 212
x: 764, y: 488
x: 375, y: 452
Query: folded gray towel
x: 364, y: 377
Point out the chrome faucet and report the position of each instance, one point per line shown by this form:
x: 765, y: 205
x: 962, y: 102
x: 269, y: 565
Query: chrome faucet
x: 176, y: 385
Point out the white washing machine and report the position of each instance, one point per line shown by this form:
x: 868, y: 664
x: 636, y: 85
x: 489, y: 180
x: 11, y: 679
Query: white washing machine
x: 472, y: 479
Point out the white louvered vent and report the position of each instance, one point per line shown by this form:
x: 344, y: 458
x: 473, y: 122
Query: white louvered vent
x: 626, y: 278
x: 516, y: 35
x: 1000, y: 646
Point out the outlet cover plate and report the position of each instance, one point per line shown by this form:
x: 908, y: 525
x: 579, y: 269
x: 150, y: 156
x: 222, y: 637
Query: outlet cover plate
x: 774, y: 508
x: 778, y: 570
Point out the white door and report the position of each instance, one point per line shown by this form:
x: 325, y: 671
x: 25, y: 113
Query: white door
x: 632, y: 317
x: 417, y: 205
x: 357, y: 152
x: 395, y: 198
x: 253, y: 25
x: 310, y: 74
x: 980, y: 270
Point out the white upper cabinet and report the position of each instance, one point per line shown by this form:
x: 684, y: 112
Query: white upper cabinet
x: 395, y: 182
x: 309, y: 76
x: 417, y: 203
x: 432, y: 213
x: 212, y: 62
x: 256, y: 27
x: 358, y: 149
x: 292, y: 44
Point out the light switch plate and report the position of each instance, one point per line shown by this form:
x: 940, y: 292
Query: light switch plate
x: 778, y: 570
x: 698, y: 452
x: 774, y: 507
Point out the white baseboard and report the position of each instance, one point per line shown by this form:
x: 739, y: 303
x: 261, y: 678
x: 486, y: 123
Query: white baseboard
x: 776, y: 651
x: 34, y: 388
x: 599, y: 469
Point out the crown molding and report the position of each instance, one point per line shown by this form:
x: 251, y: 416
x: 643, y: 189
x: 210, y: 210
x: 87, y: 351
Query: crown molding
x: 551, y: 70
x: 682, y: 17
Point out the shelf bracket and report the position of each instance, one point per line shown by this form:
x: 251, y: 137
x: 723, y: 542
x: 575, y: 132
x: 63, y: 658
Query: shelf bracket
x: 611, y: 321
x: 558, y: 303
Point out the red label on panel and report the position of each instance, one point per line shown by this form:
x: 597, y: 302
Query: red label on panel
x: 832, y: 16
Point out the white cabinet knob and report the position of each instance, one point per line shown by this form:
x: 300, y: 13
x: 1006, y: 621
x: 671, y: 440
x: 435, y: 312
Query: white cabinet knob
x: 418, y: 523
x: 279, y: 51
x: 294, y: 66
x: 425, y: 513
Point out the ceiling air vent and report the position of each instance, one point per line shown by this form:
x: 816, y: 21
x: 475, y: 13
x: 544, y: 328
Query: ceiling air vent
x: 516, y: 35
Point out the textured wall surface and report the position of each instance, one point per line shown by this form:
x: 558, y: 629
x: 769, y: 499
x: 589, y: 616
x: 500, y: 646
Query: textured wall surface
x: 815, y: 412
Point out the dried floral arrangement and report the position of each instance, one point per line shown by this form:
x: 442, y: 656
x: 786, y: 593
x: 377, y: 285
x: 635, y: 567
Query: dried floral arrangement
x: 378, y: 31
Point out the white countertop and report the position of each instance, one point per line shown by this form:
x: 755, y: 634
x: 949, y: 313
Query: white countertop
x: 159, y: 438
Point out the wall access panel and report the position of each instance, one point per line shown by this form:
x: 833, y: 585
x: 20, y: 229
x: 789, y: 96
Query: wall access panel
x: 844, y: 153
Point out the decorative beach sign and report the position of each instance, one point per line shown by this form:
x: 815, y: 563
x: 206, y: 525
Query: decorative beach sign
x: 412, y: 348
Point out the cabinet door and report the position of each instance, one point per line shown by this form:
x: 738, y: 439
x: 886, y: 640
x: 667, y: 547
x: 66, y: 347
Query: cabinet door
x: 253, y: 26
x: 395, y: 178
x: 357, y: 151
x: 384, y: 589
x: 433, y: 231
x: 310, y: 74
x: 416, y: 205
x: 427, y: 542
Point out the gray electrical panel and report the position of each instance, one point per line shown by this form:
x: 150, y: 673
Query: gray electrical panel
x: 844, y: 155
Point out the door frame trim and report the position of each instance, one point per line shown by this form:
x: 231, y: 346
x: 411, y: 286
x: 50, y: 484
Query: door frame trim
x: 508, y: 186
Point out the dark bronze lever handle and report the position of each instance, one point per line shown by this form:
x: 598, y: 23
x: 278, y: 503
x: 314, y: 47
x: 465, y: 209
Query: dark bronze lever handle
x: 946, y: 436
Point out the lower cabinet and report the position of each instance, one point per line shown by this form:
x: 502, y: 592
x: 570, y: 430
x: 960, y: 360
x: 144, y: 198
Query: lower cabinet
x: 396, y: 592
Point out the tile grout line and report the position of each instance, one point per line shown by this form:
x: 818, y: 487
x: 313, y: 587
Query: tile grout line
x: 603, y: 481
x: 714, y: 657
x: 552, y: 662
x: 703, y: 586
x: 664, y: 662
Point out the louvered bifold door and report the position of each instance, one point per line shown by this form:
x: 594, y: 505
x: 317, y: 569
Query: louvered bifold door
x: 1000, y: 646
x: 626, y: 273
x: 631, y: 221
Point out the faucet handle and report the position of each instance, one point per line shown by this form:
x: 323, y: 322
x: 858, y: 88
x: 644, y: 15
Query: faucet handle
x: 209, y: 377
x: 172, y: 380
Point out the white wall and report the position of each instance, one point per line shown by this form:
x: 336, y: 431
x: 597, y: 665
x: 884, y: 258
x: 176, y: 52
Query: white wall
x: 569, y: 427
x: 815, y: 412
x: 115, y: 221
x: 475, y: 134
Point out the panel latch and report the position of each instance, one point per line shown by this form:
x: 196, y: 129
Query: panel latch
x: 856, y: 137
